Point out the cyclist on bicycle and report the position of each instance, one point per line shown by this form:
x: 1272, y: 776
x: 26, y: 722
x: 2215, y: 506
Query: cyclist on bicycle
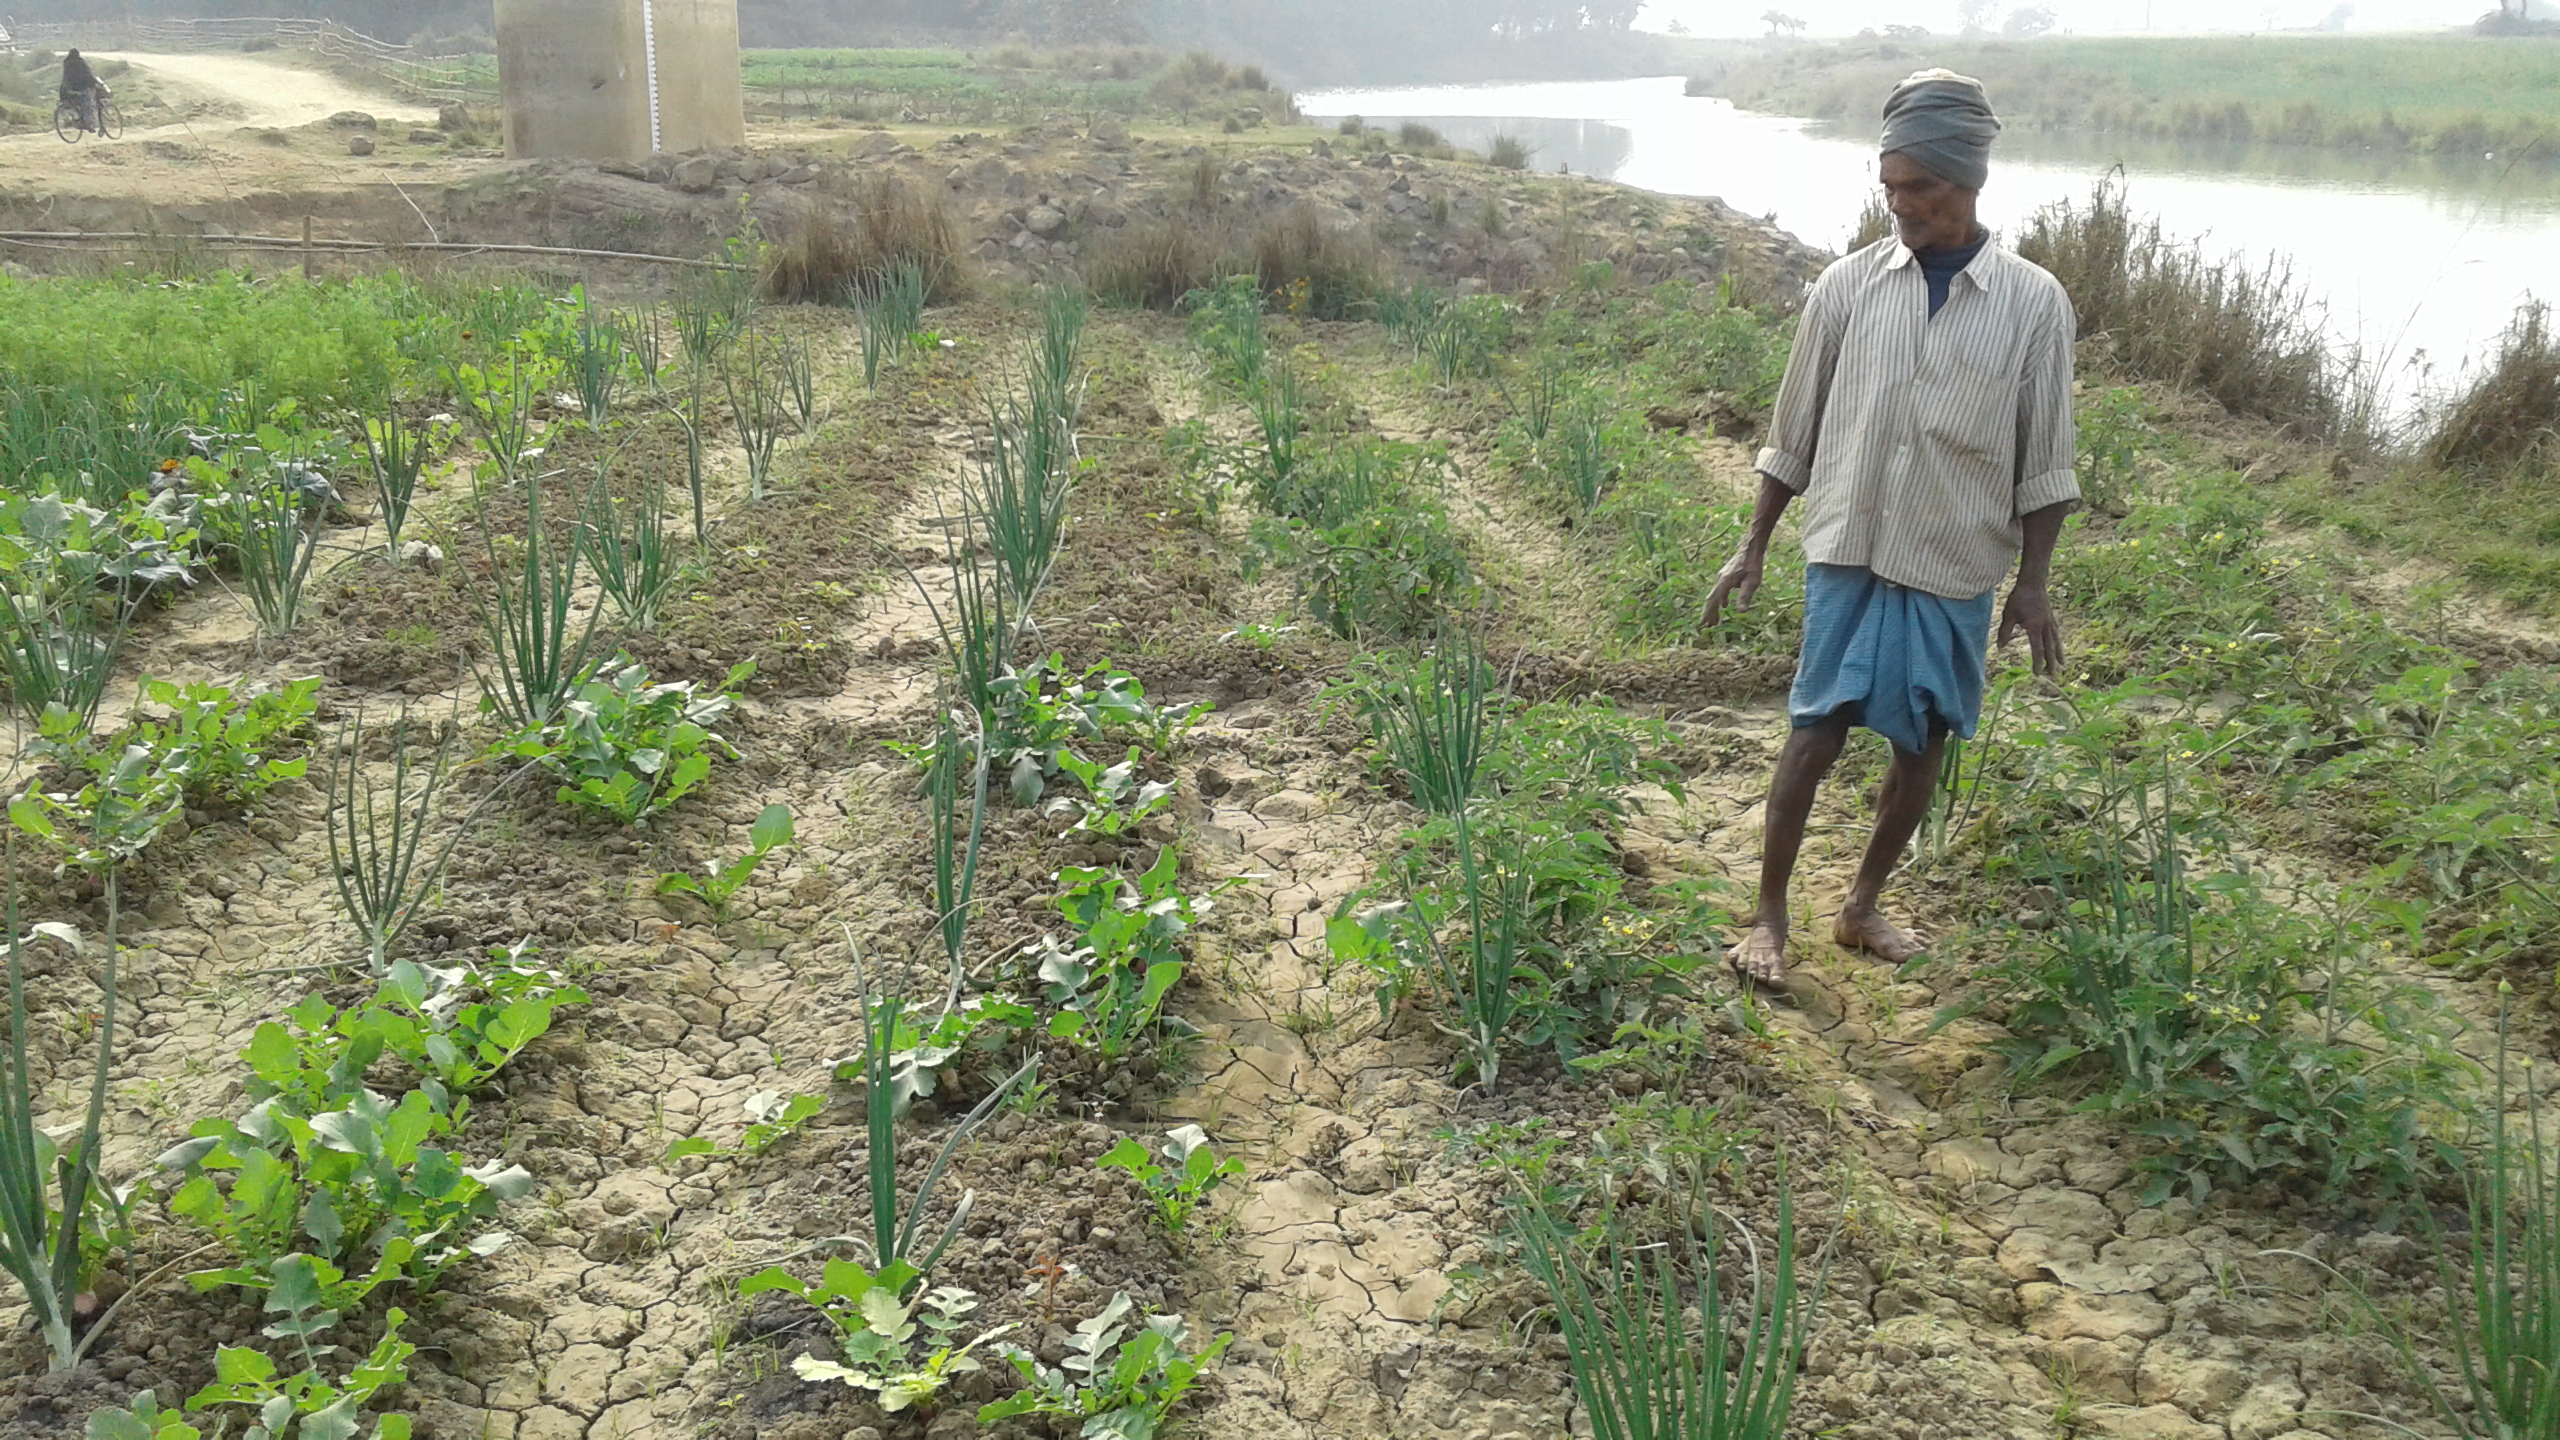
x: 82, y: 87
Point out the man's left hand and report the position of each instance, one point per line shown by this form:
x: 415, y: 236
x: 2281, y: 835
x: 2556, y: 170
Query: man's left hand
x: 2028, y: 610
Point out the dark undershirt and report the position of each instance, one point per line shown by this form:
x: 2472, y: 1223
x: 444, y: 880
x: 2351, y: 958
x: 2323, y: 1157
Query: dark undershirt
x: 1942, y: 266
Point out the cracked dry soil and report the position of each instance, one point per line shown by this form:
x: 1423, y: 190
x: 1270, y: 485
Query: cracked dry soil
x: 1990, y: 1267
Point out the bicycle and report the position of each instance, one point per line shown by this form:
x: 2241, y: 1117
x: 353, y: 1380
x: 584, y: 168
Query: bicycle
x: 67, y: 121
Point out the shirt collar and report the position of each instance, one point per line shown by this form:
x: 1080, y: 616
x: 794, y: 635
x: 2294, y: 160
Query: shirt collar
x: 1979, y: 269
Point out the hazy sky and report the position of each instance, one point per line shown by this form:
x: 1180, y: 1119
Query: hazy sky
x: 2087, y: 17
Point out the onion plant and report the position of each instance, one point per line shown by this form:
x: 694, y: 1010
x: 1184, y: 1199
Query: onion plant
x: 1437, y: 722
x: 2502, y: 1281
x: 1056, y: 385
x: 279, y: 538
x: 1583, y: 458
x: 896, y: 1234
x: 399, y: 455
x: 376, y: 846
x: 648, y: 346
x: 501, y: 401
x: 538, y: 653
x: 689, y: 416
x: 955, y: 857
x: 1649, y: 1330
x: 1021, y: 498
x: 52, y: 1248
x: 1538, y: 397
x: 798, y: 372
x: 980, y: 624
x: 627, y: 547
x: 711, y: 310
x: 61, y: 649
x: 756, y: 405
x: 1280, y: 420
x: 598, y: 362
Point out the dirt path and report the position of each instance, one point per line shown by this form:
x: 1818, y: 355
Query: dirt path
x: 245, y: 90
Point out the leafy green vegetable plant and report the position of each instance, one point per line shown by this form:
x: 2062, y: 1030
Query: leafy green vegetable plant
x: 306, y: 1405
x: 1109, y: 990
x: 359, y: 1185
x: 905, y: 1350
x: 143, y: 1420
x: 219, y: 745
x: 772, y: 1117
x: 1120, y: 1385
x: 719, y: 883
x: 629, y: 748
x: 2227, y: 1027
x: 1182, y: 1183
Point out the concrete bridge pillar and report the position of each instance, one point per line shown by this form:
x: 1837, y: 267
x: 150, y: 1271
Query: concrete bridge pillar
x: 619, y: 79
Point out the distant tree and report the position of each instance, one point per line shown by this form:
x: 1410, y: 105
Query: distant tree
x: 1975, y: 15
x: 1779, y: 20
x: 2028, y: 22
x: 1675, y: 28
x: 2337, y: 18
x: 1906, y: 32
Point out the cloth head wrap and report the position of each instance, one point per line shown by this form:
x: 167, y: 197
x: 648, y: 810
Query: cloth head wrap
x: 1944, y: 121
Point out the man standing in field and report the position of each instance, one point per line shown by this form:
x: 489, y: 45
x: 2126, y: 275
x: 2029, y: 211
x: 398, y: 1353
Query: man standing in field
x: 1926, y: 419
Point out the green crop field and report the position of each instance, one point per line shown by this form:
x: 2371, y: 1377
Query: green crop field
x: 2400, y: 92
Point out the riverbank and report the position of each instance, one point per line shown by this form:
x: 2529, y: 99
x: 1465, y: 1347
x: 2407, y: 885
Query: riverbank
x: 2425, y: 94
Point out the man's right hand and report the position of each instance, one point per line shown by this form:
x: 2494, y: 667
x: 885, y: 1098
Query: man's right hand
x: 1738, y: 581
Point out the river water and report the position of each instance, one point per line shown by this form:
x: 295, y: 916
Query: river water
x: 2418, y: 264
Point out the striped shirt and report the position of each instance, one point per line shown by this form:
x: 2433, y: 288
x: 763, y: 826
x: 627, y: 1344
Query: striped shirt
x: 1918, y: 440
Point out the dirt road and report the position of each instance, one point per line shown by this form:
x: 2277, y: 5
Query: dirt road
x: 247, y: 90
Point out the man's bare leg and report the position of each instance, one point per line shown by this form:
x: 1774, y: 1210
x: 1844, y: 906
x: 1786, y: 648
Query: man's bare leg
x: 1810, y: 753
x: 1910, y: 783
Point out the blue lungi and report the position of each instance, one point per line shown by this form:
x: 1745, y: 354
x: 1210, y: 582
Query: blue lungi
x: 1892, y: 657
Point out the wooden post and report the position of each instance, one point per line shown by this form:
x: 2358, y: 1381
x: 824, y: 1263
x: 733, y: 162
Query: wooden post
x: 310, y: 263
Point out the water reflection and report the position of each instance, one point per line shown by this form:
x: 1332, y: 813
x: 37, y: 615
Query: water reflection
x: 2417, y: 263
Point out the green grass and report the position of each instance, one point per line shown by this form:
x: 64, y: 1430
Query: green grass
x: 2448, y: 94
x: 2499, y: 536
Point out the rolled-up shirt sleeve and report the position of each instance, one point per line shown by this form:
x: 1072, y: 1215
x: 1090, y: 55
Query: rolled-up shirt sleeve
x: 1795, y: 422
x: 2048, y: 443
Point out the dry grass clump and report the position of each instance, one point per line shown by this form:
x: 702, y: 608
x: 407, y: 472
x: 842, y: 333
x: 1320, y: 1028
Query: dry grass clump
x: 891, y: 221
x: 1875, y: 222
x: 2509, y: 419
x: 1326, y: 272
x: 1317, y: 269
x: 1154, y: 263
x: 2249, y: 339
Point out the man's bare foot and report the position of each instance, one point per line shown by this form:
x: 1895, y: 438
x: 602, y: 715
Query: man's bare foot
x: 1761, y: 958
x: 1865, y: 928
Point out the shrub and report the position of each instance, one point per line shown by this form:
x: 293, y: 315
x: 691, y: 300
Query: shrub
x: 2510, y: 415
x: 1414, y: 135
x: 1508, y: 152
x: 2248, y: 339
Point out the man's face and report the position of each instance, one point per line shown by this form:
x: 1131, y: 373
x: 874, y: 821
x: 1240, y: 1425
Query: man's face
x: 1929, y: 212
